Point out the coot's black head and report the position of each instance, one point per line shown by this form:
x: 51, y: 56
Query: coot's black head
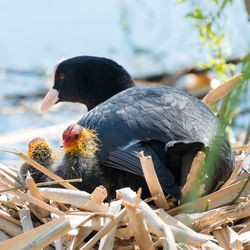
x: 88, y: 80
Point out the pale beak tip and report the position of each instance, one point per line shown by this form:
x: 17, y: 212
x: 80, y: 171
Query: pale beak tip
x: 49, y: 100
x: 42, y: 109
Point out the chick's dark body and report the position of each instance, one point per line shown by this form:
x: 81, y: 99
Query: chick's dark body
x: 93, y: 175
x: 45, y: 160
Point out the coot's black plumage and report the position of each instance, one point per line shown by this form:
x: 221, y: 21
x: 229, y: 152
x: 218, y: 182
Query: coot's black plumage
x: 164, y: 122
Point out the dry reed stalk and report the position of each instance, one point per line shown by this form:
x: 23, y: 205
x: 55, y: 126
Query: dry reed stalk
x: 128, y: 248
x: 68, y: 196
x: 246, y: 163
x: 93, y: 214
x: 245, y: 166
x: 3, y: 236
x: 234, y: 240
x: 36, y: 212
x: 218, y: 198
x: 139, y: 227
x: 70, y: 245
x: 242, y: 147
x: 104, y: 230
x: 204, y: 221
x: 81, y: 236
x: 8, y: 171
x: 170, y: 220
x: 41, y: 168
x: 222, y: 237
x: 235, y: 173
x: 93, y: 222
x: 152, y: 181
x: 168, y: 241
x: 34, y: 201
x: 223, y: 90
x: 77, y: 198
x: 107, y: 241
x: 5, y: 178
x: 125, y: 233
x: 9, y: 227
x: 209, y: 245
x: 25, y: 219
x: 195, y: 172
x: 12, y: 202
x: 32, y: 188
x: 243, y: 176
x: 99, y: 194
x: 9, y: 218
x: 246, y: 226
x: 95, y: 207
x: 43, y: 235
x: 245, y: 237
x: 157, y: 225
x: 35, y: 193
x: 40, y: 184
x: 59, y: 241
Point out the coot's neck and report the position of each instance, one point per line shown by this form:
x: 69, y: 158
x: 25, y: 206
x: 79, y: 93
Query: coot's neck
x: 94, y: 94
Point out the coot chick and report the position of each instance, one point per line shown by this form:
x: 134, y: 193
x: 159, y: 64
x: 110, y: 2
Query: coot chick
x: 40, y: 151
x: 80, y: 145
x: 166, y: 123
x: 87, y: 79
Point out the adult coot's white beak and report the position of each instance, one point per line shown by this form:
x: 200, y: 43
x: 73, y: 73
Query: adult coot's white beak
x: 49, y: 100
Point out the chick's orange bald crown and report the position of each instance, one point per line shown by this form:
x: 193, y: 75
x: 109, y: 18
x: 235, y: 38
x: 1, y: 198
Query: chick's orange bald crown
x: 79, y: 141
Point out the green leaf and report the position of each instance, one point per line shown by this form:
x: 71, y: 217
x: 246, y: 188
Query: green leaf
x: 202, y: 65
x: 181, y: 1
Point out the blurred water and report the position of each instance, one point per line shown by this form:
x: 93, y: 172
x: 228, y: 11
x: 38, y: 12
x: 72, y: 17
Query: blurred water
x: 36, y: 34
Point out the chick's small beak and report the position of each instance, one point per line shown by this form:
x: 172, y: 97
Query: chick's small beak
x: 49, y: 100
x: 66, y: 143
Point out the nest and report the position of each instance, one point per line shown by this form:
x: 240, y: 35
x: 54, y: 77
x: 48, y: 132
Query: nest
x: 36, y: 217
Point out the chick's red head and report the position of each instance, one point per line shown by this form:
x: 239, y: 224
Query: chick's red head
x: 79, y: 140
x: 72, y: 135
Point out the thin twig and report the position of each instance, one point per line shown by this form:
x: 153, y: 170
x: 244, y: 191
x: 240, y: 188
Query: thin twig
x: 41, y: 184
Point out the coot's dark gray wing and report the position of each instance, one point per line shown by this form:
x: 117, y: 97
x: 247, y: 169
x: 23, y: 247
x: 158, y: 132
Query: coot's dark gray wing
x: 146, y: 113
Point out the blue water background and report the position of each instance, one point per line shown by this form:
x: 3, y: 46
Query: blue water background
x: 34, y: 35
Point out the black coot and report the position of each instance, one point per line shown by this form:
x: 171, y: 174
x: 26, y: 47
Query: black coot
x: 164, y: 122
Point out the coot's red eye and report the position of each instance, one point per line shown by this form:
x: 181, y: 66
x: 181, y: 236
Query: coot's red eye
x: 61, y: 76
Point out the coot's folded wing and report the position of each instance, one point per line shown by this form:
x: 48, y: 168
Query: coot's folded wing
x: 126, y: 159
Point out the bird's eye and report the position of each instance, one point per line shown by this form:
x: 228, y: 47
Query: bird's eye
x: 76, y: 136
x: 61, y: 76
